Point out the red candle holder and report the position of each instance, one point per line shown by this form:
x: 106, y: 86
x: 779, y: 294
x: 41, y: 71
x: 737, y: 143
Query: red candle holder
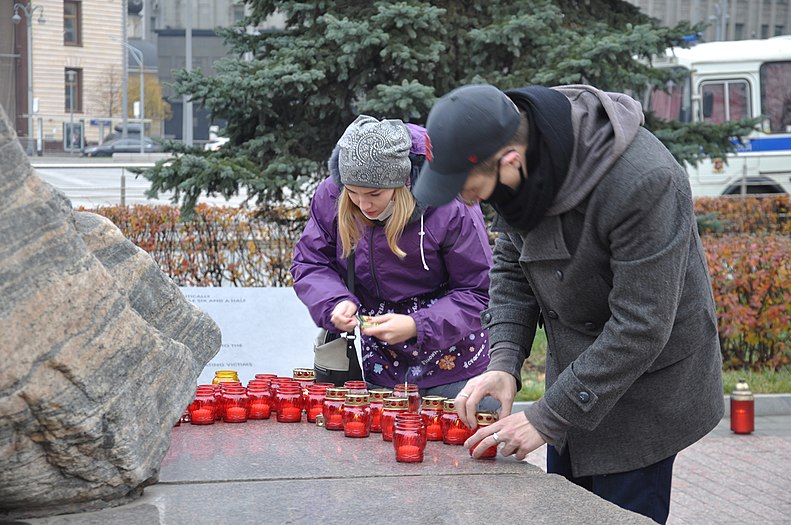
x: 202, y: 409
x: 742, y: 409
x: 260, y: 400
x: 454, y: 432
x: 333, y: 404
x: 270, y: 377
x: 356, y: 387
x: 274, y: 386
x: 485, y: 419
x: 356, y: 413
x: 409, y: 438
x: 289, y: 403
x: 410, y: 391
x: 431, y: 412
x: 236, y: 404
x: 390, y: 409
x: 315, y: 404
x: 377, y: 402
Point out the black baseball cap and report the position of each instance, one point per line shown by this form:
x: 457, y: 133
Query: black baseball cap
x: 465, y: 127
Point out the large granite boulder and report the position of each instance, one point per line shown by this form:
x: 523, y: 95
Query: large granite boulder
x: 99, y: 352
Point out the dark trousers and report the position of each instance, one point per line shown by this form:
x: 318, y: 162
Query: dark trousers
x: 645, y: 491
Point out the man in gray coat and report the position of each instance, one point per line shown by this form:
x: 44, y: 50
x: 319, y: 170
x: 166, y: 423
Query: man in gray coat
x: 597, y: 242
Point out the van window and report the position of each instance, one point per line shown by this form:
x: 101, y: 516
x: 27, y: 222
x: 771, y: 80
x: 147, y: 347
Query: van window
x: 776, y: 95
x: 674, y: 102
x: 725, y: 100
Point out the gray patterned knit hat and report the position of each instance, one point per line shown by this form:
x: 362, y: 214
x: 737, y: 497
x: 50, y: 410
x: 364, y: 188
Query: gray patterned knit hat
x: 375, y: 154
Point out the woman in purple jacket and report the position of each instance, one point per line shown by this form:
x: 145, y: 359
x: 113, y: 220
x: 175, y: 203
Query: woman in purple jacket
x: 421, y: 273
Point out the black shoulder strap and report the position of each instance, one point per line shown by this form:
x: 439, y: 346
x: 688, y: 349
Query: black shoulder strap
x: 350, y: 272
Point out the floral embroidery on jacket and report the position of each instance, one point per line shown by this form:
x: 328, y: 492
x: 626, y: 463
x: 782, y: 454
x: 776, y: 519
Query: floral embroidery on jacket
x: 447, y: 362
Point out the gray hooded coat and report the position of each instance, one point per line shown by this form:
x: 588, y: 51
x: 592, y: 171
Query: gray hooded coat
x: 617, y: 272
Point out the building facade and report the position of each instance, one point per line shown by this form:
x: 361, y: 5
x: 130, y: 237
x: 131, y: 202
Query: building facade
x: 76, y: 50
x: 727, y: 19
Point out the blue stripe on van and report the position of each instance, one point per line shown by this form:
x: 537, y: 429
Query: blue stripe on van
x: 765, y: 144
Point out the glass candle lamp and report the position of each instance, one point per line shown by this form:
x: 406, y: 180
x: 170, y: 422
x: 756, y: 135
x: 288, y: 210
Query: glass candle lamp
x: 454, y: 432
x: 431, y: 412
x: 410, y: 391
x: 221, y: 376
x: 220, y: 389
x: 409, y: 437
x: 202, y: 410
x: 391, y: 407
x: 306, y: 377
x: 274, y: 386
x: 266, y: 376
x: 356, y: 414
x: 333, y: 404
x: 236, y: 404
x: 260, y: 400
x: 289, y: 403
x: 315, y: 404
x: 356, y: 387
x: 377, y: 402
x: 485, y: 419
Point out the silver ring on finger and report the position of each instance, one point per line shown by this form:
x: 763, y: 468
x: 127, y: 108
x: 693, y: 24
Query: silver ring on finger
x: 497, y: 438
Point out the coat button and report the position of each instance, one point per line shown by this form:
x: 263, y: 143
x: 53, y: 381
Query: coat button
x: 584, y: 397
x: 487, y: 318
x: 559, y: 275
x: 590, y: 326
x: 552, y: 314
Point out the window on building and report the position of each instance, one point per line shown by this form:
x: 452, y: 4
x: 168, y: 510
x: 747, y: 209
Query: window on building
x: 776, y: 95
x: 738, y: 31
x: 72, y: 22
x: 73, y: 83
x: 238, y: 13
x: 725, y: 101
x: 780, y: 30
x: 764, y: 31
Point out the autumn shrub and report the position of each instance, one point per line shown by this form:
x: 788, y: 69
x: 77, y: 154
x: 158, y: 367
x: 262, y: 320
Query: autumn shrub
x: 750, y: 214
x: 221, y: 246
x: 751, y: 279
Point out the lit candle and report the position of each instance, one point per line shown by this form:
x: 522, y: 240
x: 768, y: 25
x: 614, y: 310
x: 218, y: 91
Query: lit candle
x: 235, y: 414
x: 456, y: 436
x: 409, y: 454
x: 334, y: 422
x: 434, y: 432
x: 355, y: 429
x: 202, y: 416
x: 289, y: 415
x: 259, y: 410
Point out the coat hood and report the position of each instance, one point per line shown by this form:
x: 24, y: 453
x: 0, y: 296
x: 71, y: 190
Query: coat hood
x: 604, y: 126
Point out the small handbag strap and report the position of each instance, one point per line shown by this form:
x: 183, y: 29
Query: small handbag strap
x: 350, y: 337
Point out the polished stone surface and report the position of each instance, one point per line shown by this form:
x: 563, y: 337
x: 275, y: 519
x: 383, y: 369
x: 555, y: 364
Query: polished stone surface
x: 266, y: 472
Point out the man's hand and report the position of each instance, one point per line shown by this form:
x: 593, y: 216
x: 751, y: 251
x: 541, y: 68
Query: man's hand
x: 519, y: 436
x: 499, y: 385
x: 343, y: 316
x: 391, y: 328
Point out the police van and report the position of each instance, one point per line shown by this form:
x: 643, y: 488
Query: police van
x: 726, y: 81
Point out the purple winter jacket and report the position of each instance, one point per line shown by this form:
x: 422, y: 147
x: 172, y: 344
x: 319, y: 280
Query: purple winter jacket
x: 445, y: 298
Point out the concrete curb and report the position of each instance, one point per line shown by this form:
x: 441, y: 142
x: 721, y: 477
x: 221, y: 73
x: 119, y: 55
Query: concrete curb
x: 765, y: 405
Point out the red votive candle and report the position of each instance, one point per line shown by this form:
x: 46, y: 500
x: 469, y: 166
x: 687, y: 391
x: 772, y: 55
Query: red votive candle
x: 409, y: 454
x: 356, y: 414
x: 355, y: 429
x: 235, y: 415
x: 434, y: 432
x: 259, y: 410
x: 289, y: 415
x: 202, y: 416
x: 485, y: 419
x: 333, y: 404
x: 334, y: 422
x: 314, y: 413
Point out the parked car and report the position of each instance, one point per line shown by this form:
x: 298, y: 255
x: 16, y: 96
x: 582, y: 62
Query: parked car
x: 128, y: 145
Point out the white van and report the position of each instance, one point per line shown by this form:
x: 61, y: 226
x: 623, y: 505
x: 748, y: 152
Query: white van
x: 730, y: 81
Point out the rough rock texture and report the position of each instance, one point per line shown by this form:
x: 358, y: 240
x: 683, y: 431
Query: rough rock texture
x: 99, y: 352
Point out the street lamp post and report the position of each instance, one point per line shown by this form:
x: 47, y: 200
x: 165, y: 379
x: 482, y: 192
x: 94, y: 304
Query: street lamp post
x: 71, y: 73
x: 138, y: 56
x: 29, y: 10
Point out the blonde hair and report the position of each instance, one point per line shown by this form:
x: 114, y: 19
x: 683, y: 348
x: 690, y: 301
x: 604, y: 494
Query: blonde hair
x: 351, y: 220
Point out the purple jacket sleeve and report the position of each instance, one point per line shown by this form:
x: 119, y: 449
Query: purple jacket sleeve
x: 468, y: 258
x: 317, y: 274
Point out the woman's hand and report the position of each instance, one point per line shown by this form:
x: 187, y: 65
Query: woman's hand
x: 391, y: 328
x: 519, y: 436
x: 343, y: 316
x: 496, y: 384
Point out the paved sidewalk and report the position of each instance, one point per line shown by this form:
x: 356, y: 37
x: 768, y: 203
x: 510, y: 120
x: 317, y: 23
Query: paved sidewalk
x: 730, y: 478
